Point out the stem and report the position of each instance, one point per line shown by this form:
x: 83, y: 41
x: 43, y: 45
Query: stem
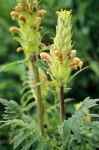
x: 37, y: 93
x: 62, y: 113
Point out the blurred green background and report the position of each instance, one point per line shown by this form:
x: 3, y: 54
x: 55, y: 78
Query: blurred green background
x: 85, y: 35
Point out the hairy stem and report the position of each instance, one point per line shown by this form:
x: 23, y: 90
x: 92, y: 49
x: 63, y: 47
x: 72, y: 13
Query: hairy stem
x: 62, y: 113
x: 37, y: 93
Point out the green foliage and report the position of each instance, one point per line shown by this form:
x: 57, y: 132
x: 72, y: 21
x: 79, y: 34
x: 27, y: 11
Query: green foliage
x: 7, y: 66
x: 75, y: 133
x: 25, y: 134
x: 8, y: 54
x: 12, y: 109
x: 80, y: 134
x: 85, y: 30
x: 27, y: 91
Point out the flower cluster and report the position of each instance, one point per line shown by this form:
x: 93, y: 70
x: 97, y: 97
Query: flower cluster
x: 29, y: 18
x: 62, y: 59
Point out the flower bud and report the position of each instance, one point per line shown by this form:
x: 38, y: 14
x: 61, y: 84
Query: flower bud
x: 53, y: 47
x: 30, y: 12
x: 19, y: 49
x: 74, y: 67
x: 20, y: 4
x: 75, y: 61
x: 35, y: 2
x: 38, y: 19
x: 43, y: 46
x: 14, y: 14
x: 58, y: 53
x: 45, y: 56
x: 14, y: 29
x: 80, y: 64
x: 19, y: 8
x: 31, y: 8
x: 22, y: 18
x: 71, y: 54
x: 41, y: 13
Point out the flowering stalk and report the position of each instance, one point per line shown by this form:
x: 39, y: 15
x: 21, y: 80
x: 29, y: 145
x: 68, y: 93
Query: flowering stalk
x: 29, y: 18
x: 62, y: 113
x: 37, y: 92
x: 62, y: 59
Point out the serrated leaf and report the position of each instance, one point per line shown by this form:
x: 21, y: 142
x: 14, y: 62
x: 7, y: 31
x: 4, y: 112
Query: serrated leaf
x: 80, y: 131
x: 20, y: 138
x: 40, y: 145
x: 66, y: 134
x: 93, y: 115
x: 12, y: 109
x: 60, y: 129
x: 29, y: 142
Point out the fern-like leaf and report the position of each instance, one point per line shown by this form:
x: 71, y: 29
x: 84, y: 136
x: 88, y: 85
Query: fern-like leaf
x: 78, y: 132
x: 12, y: 109
x: 25, y: 133
x: 30, y: 141
x: 27, y: 91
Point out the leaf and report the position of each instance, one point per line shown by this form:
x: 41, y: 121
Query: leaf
x: 60, y: 129
x: 20, y: 138
x: 67, y: 89
x: 75, y: 74
x: 6, y: 66
x: 66, y: 133
x: 15, y: 122
x: 77, y: 130
x: 25, y: 96
x: 12, y: 109
x: 88, y: 103
x: 30, y: 105
x: 93, y: 115
x: 29, y: 142
x: 41, y: 145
